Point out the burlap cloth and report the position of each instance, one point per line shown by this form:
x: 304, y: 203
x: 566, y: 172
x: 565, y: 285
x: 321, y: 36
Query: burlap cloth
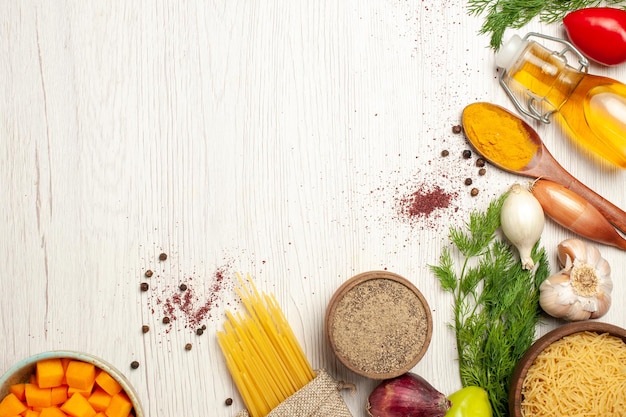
x: 319, y: 398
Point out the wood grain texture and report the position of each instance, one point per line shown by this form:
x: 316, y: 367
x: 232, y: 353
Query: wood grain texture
x: 272, y: 138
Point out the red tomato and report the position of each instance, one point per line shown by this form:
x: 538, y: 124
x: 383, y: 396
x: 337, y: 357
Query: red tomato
x: 599, y: 33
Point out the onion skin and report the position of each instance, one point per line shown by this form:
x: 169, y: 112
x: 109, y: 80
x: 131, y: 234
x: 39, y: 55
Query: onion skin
x: 407, y: 395
x: 575, y: 213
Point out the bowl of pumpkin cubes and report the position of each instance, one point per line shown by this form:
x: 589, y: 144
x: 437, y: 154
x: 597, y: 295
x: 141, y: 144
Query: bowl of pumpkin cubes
x: 66, y: 384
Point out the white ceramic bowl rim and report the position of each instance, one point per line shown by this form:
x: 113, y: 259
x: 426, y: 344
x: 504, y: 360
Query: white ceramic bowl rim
x: 22, y: 369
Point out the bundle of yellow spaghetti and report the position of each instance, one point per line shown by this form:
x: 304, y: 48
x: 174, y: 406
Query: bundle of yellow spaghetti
x: 581, y: 374
x: 262, y: 353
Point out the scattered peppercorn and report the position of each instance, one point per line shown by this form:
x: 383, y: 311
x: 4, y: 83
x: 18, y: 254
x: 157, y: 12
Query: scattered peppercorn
x: 183, y: 287
x: 203, y: 327
x: 482, y: 171
x: 199, y: 332
x: 456, y: 129
x: 474, y: 192
x: 468, y: 181
x: 467, y: 154
x: 166, y: 320
x: 445, y: 152
x: 480, y: 162
x: 162, y: 256
x: 134, y: 364
x: 149, y: 273
x: 145, y: 328
x: 188, y: 346
x: 229, y: 401
x: 144, y: 286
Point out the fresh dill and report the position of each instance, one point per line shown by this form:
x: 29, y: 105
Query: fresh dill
x: 503, y: 14
x: 495, y: 303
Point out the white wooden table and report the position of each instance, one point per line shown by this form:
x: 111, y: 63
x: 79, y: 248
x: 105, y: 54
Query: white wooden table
x: 264, y: 137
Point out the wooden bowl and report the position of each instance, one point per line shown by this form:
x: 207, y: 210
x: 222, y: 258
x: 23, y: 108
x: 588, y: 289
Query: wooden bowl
x: 21, y: 372
x: 517, y: 379
x: 378, y: 324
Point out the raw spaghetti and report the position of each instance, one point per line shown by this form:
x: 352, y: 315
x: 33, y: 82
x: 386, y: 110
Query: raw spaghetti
x: 583, y: 374
x: 262, y: 353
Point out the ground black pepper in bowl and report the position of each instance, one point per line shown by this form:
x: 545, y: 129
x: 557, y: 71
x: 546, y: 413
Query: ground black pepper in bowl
x: 378, y: 324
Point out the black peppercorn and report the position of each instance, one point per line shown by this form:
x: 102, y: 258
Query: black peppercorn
x: 144, y: 286
x: 474, y: 192
x: 145, y: 328
x: 188, y: 346
x: 468, y: 181
x: 203, y: 327
x: 166, y: 320
x: 456, y: 129
x: 445, y: 152
x: 467, y: 154
x: 162, y: 256
x: 149, y: 273
x: 134, y: 364
x: 229, y: 401
x: 480, y: 162
x: 199, y: 332
x: 183, y: 287
x: 482, y: 171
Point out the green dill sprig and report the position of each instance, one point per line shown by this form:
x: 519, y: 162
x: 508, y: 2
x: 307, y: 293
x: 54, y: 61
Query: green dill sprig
x: 495, y: 303
x: 503, y: 14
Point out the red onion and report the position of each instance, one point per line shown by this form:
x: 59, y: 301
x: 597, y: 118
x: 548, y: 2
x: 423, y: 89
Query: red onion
x: 407, y: 395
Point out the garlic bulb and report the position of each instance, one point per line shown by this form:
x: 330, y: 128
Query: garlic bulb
x: 582, y: 289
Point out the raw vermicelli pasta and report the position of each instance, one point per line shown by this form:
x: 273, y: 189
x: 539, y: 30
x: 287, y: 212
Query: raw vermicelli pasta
x: 262, y: 353
x: 583, y: 374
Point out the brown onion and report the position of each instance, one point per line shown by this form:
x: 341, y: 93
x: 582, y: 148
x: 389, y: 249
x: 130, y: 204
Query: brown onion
x: 407, y: 395
x: 573, y: 212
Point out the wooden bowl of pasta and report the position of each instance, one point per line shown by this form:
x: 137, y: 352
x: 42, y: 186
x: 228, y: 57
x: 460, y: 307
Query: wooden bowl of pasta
x: 576, y: 369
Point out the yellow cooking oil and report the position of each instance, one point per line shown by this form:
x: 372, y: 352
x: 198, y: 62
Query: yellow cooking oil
x: 591, y: 108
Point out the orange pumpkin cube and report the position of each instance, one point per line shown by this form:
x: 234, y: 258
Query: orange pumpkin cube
x: 99, y: 399
x: 80, y: 375
x: 58, y: 395
x: 105, y: 381
x: 38, y: 397
x: 11, y: 406
x: 78, y: 406
x: 52, y: 412
x: 71, y: 391
x: 120, y: 406
x: 31, y: 413
x: 49, y: 373
x: 19, y: 390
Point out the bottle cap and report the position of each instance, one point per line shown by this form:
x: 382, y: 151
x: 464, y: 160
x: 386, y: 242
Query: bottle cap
x: 509, y: 52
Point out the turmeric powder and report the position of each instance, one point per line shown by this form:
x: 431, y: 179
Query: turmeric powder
x: 499, y: 136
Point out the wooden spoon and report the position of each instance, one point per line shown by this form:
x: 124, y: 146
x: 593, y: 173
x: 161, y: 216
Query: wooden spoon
x: 535, y: 162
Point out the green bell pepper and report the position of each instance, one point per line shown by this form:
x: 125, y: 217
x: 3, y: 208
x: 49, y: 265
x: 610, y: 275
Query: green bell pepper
x: 469, y: 402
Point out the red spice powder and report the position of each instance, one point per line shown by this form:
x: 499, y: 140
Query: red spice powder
x: 195, y: 304
x: 428, y: 206
x: 424, y: 202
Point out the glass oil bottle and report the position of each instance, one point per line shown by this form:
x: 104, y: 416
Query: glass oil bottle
x: 591, y: 108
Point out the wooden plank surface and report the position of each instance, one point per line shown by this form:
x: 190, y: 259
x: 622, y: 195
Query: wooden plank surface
x: 273, y: 138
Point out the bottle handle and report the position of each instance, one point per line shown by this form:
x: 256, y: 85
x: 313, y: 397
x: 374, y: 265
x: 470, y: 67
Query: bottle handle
x: 531, y: 109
